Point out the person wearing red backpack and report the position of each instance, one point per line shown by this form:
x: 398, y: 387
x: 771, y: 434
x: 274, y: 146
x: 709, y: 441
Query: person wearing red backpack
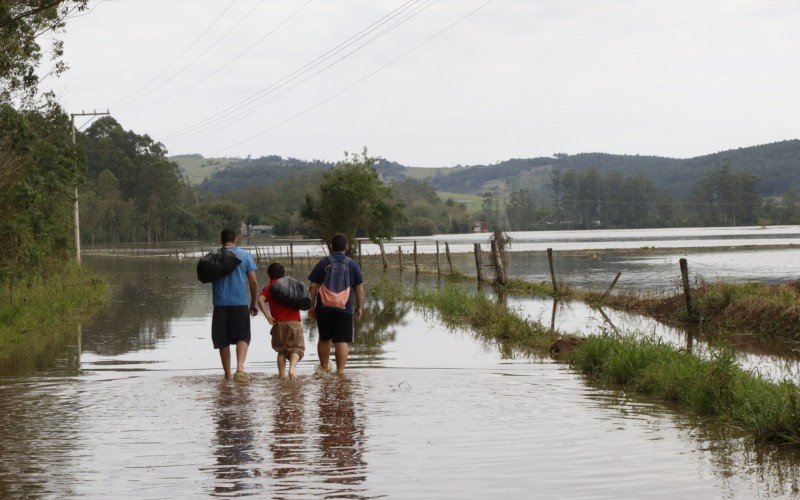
x: 334, y: 281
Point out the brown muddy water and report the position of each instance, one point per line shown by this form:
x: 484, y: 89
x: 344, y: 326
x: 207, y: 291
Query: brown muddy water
x: 135, y: 408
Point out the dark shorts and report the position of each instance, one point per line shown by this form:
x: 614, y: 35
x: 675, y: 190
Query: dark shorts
x: 229, y: 325
x: 334, y: 325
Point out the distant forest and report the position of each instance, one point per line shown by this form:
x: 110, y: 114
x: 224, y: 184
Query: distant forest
x: 132, y: 191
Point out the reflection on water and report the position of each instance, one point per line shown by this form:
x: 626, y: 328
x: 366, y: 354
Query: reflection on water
x: 425, y: 411
x: 289, y: 437
x: 234, y: 443
x: 144, y: 298
x: 341, y: 435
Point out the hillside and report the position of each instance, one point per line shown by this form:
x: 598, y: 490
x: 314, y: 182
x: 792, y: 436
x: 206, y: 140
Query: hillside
x: 776, y: 165
x: 196, y: 168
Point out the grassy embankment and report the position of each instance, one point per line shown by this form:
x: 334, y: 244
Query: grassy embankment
x: 715, y: 387
x: 34, y: 314
x: 771, y: 312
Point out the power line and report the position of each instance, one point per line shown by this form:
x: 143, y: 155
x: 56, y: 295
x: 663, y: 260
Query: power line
x: 369, y: 75
x: 168, y: 66
x: 242, y: 104
x: 197, y: 58
x: 260, y: 105
x: 228, y: 63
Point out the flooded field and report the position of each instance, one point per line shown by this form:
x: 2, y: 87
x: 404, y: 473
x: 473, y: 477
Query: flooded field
x: 135, y: 407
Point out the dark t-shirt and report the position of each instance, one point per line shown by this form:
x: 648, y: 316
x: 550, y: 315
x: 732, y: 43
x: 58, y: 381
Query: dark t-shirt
x: 318, y: 276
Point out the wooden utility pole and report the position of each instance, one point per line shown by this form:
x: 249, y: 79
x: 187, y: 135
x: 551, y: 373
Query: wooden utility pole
x: 75, y: 210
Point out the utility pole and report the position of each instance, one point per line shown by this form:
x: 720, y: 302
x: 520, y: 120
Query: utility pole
x: 75, y: 210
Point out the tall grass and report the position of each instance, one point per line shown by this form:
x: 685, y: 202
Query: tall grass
x: 46, y: 302
x: 715, y: 387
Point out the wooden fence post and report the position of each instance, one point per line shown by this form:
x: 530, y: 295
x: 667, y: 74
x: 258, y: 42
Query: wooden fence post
x: 447, y: 253
x: 479, y: 262
x: 383, y: 255
x: 610, y: 287
x: 438, y: 268
x: 291, y: 253
x: 687, y: 290
x: 400, y: 257
x: 359, y: 253
x: 416, y: 264
x: 552, y: 271
x: 499, y: 267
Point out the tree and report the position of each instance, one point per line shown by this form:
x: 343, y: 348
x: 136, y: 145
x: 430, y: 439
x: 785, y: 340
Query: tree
x: 350, y: 199
x: 22, y: 24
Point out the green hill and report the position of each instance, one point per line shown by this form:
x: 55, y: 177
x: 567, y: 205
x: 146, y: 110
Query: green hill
x: 776, y: 165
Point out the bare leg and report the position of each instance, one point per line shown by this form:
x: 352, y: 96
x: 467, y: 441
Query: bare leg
x: 324, y: 353
x: 241, y: 353
x: 341, y: 349
x: 293, y: 359
x: 225, y: 356
x: 281, y: 366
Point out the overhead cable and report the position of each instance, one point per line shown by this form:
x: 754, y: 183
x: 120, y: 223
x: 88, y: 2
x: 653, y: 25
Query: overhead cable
x: 265, y: 100
x: 365, y: 77
x: 176, y: 59
x: 242, y: 104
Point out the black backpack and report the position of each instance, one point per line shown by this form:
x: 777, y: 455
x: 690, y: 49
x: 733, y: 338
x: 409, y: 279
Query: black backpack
x: 291, y: 293
x: 217, y: 264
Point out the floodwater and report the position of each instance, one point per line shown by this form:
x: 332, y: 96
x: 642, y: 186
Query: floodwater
x: 136, y: 408
x: 647, y: 258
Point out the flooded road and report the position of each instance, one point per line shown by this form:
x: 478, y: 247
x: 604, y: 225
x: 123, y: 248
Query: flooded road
x: 142, y: 412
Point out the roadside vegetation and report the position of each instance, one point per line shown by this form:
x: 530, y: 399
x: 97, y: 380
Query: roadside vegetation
x: 34, y: 309
x: 771, y: 312
x: 714, y: 387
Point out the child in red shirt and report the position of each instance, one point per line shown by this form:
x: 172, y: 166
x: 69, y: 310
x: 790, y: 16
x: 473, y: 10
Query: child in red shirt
x: 287, y: 331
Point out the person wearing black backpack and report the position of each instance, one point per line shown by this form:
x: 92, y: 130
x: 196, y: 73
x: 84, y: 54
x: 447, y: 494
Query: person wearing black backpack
x: 333, y: 281
x: 230, y: 323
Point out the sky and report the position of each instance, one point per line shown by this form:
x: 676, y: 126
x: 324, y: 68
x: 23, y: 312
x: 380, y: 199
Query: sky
x: 432, y: 83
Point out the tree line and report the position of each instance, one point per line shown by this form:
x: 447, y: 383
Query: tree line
x: 589, y: 199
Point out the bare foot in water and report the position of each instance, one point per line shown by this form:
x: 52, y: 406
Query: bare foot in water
x: 292, y: 375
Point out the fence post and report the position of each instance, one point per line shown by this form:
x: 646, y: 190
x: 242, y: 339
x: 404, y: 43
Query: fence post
x: 291, y: 253
x: 383, y: 255
x: 497, y: 260
x: 479, y: 262
x: 438, y: 268
x: 416, y: 264
x: 400, y: 257
x: 359, y: 253
x: 447, y: 253
x: 610, y: 287
x: 687, y: 290
x: 552, y: 271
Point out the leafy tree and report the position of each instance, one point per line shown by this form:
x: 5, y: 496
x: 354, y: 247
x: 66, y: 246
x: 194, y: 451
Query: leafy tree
x: 350, y: 199
x: 23, y: 24
x: 37, y: 181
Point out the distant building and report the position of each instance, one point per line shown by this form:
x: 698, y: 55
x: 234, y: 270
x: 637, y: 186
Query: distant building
x: 480, y: 227
x: 260, y: 230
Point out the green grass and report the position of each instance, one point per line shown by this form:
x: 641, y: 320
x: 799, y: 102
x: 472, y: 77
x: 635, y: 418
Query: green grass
x: 768, y: 311
x: 196, y: 168
x: 473, y: 202
x: 421, y: 173
x: 714, y: 387
x: 46, y: 303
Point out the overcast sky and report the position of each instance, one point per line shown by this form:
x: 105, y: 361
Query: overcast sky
x: 513, y: 79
